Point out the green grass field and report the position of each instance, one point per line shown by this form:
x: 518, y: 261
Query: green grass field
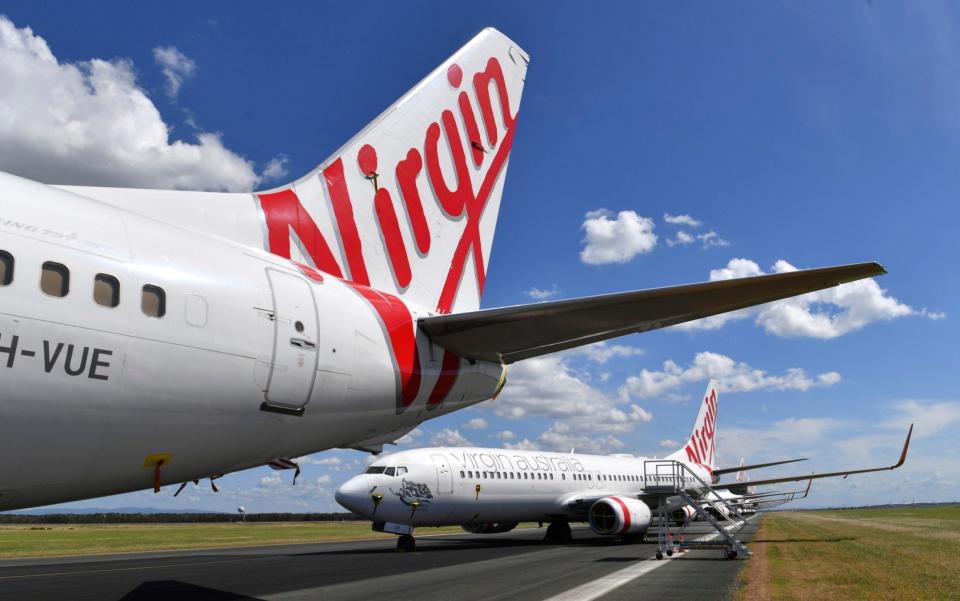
x: 902, y: 553
x: 37, y: 540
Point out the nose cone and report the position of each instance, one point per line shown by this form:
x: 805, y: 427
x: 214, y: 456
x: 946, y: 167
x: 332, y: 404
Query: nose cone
x: 354, y: 494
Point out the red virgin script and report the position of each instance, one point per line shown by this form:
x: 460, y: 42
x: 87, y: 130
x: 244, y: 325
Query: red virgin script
x: 701, y: 445
x: 283, y: 211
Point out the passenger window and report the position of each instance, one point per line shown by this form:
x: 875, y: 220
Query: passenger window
x: 6, y: 268
x: 55, y: 279
x: 484, y: 474
x: 524, y: 475
x: 563, y: 476
x: 153, y: 303
x: 106, y: 290
x: 462, y: 474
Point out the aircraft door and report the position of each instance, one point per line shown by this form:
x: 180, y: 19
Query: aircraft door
x: 444, y: 475
x: 294, y: 365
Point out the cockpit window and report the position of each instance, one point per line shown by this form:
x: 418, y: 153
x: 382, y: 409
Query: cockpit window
x: 390, y: 471
x: 401, y: 471
x: 375, y: 469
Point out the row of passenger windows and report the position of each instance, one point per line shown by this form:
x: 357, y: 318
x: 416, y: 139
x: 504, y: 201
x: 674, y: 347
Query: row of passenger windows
x: 542, y: 476
x: 55, y: 281
x: 508, y: 475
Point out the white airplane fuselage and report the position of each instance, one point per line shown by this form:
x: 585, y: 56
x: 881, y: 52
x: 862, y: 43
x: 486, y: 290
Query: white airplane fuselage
x: 474, y: 486
x: 93, y: 395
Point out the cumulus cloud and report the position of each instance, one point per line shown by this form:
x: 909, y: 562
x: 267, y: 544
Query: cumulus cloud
x: 732, y: 376
x: 542, y: 294
x: 711, y: 239
x: 551, y: 387
x: 681, y: 220
x: 477, y: 423
x: 601, y: 352
x: 522, y: 445
x: 668, y: 443
x: 616, y: 240
x: 825, y: 314
x: 449, y: 438
x: 176, y: 67
x: 90, y: 123
x: 276, y: 168
x: 681, y: 238
x: 505, y: 435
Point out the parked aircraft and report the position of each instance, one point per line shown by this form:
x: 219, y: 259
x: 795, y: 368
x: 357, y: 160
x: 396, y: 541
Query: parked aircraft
x: 492, y: 490
x: 155, y: 337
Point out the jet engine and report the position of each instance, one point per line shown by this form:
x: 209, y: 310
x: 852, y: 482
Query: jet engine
x: 619, y: 515
x: 489, y: 527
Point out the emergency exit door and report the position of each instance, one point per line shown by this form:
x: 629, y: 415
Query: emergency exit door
x: 444, y: 475
x: 293, y: 368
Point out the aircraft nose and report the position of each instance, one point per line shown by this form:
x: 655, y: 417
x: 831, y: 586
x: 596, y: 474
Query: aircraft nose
x: 355, y: 495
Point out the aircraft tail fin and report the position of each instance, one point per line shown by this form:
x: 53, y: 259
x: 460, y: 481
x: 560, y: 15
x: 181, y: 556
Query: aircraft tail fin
x: 702, y: 446
x: 409, y: 205
x: 741, y: 475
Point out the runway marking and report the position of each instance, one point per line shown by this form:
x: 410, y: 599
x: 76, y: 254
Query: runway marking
x: 603, y: 585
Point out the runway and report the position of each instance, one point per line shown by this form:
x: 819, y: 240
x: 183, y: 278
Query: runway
x: 464, y: 567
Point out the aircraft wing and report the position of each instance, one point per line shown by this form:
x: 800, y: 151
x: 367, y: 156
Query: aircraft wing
x: 514, y: 333
x: 745, y: 468
x: 739, y: 487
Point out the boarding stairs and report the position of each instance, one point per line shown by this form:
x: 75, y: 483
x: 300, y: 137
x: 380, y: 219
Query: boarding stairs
x: 668, y: 478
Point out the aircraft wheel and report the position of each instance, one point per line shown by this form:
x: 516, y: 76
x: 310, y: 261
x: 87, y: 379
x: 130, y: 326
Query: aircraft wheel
x: 669, y: 552
x: 407, y: 543
x: 731, y: 554
x: 659, y: 555
x: 558, y: 533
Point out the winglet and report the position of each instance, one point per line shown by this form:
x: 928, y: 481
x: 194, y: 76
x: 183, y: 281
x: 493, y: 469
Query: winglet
x: 903, y: 453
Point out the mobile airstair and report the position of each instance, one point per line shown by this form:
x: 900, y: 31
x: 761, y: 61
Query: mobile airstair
x: 667, y: 478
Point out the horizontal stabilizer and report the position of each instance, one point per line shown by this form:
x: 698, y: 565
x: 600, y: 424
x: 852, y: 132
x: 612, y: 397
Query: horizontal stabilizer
x: 514, y: 333
x: 745, y: 468
x: 741, y: 487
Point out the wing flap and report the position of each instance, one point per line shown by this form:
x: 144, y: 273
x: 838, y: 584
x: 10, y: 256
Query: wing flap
x: 514, y: 333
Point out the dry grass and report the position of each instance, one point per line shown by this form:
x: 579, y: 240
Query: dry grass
x: 862, y: 554
x: 38, y: 540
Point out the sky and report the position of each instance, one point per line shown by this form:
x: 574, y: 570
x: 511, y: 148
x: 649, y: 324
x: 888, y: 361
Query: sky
x: 657, y: 144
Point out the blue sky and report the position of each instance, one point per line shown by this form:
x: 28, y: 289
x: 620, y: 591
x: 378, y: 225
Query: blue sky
x: 811, y: 133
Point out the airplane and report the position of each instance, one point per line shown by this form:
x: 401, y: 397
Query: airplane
x: 489, y: 490
x: 156, y: 337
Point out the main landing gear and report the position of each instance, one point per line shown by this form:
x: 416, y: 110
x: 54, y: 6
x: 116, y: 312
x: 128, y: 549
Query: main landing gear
x: 558, y: 533
x: 407, y: 543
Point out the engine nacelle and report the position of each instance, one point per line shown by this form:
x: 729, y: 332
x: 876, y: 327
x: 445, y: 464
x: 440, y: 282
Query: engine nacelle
x: 619, y: 515
x: 489, y: 527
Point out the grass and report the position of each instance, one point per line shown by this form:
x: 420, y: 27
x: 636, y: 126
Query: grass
x: 47, y: 540
x: 898, y: 553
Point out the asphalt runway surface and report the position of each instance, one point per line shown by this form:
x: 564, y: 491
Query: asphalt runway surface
x: 463, y: 567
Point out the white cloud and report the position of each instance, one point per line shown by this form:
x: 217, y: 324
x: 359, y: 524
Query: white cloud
x: 270, y: 480
x: 667, y: 443
x: 928, y: 418
x: 601, y: 352
x: 505, y: 435
x: 176, y: 67
x: 89, y: 123
x: 333, y: 463
x: 538, y: 294
x: 276, y: 168
x: 616, y: 240
x: 825, y: 314
x: 681, y: 220
x: 449, y: 438
x: 522, y: 445
x: 477, y: 423
x: 550, y: 387
x: 681, y: 238
x: 410, y: 437
x: 731, y: 375
x: 711, y: 239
